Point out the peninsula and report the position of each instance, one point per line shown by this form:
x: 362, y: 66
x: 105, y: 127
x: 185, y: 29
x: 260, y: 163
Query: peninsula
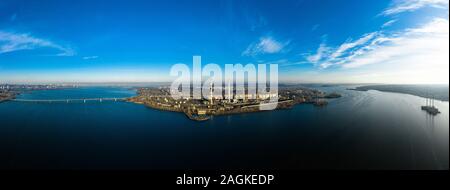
x: 201, y: 110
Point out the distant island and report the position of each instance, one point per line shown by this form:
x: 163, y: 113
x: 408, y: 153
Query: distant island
x: 438, y: 92
x: 201, y: 110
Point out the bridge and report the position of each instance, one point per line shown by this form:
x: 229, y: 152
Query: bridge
x: 79, y: 100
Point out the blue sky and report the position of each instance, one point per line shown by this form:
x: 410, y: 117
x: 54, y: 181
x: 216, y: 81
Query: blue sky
x: 350, y: 41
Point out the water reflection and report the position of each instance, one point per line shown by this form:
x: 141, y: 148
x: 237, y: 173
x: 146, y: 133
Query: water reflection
x: 361, y: 130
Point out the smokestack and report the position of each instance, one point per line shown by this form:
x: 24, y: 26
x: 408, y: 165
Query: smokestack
x: 229, y: 91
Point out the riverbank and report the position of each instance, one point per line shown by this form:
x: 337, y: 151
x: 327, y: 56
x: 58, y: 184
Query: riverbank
x: 438, y: 92
x: 93, y: 136
x: 287, y: 104
x: 6, y: 96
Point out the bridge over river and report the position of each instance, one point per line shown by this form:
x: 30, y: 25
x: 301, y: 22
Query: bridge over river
x: 78, y: 100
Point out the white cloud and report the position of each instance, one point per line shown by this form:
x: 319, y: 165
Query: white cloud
x: 285, y: 62
x: 329, y: 56
x: 265, y: 45
x: 415, y: 55
x: 416, y: 46
x: 10, y: 42
x: 389, y: 23
x: 349, y: 44
x: 399, y: 6
x: 90, y: 57
x: 322, y: 52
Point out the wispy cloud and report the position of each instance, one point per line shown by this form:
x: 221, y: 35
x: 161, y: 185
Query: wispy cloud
x: 352, y: 44
x: 412, y: 55
x: 90, y: 57
x: 10, y: 42
x: 322, y: 51
x: 265, y: 45
x: 389, y: 23
x: 399, y: 6
x: 417, y: 46
x: 327, y: 56
x: 286, y: 62
x: 315, y: 27
x: 425, y: 45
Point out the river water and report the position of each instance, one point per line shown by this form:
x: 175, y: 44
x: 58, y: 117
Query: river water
x: 361, y: 130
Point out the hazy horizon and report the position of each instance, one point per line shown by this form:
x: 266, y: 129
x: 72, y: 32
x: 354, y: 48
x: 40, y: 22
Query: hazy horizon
x: 169, y: 82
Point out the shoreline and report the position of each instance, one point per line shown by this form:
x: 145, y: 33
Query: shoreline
x: 285, y: 105
x: 438, y: 92
x: 352, y: 89
x: 7, y: 98
x: 205, y: 108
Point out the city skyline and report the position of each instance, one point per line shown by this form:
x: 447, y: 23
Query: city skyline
x: 312, y: 41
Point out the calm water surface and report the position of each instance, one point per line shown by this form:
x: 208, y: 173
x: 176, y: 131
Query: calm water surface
x: 361, y: 130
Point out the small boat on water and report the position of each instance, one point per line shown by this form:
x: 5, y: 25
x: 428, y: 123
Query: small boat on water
x: 431, y: 110
x: 429, y: 107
